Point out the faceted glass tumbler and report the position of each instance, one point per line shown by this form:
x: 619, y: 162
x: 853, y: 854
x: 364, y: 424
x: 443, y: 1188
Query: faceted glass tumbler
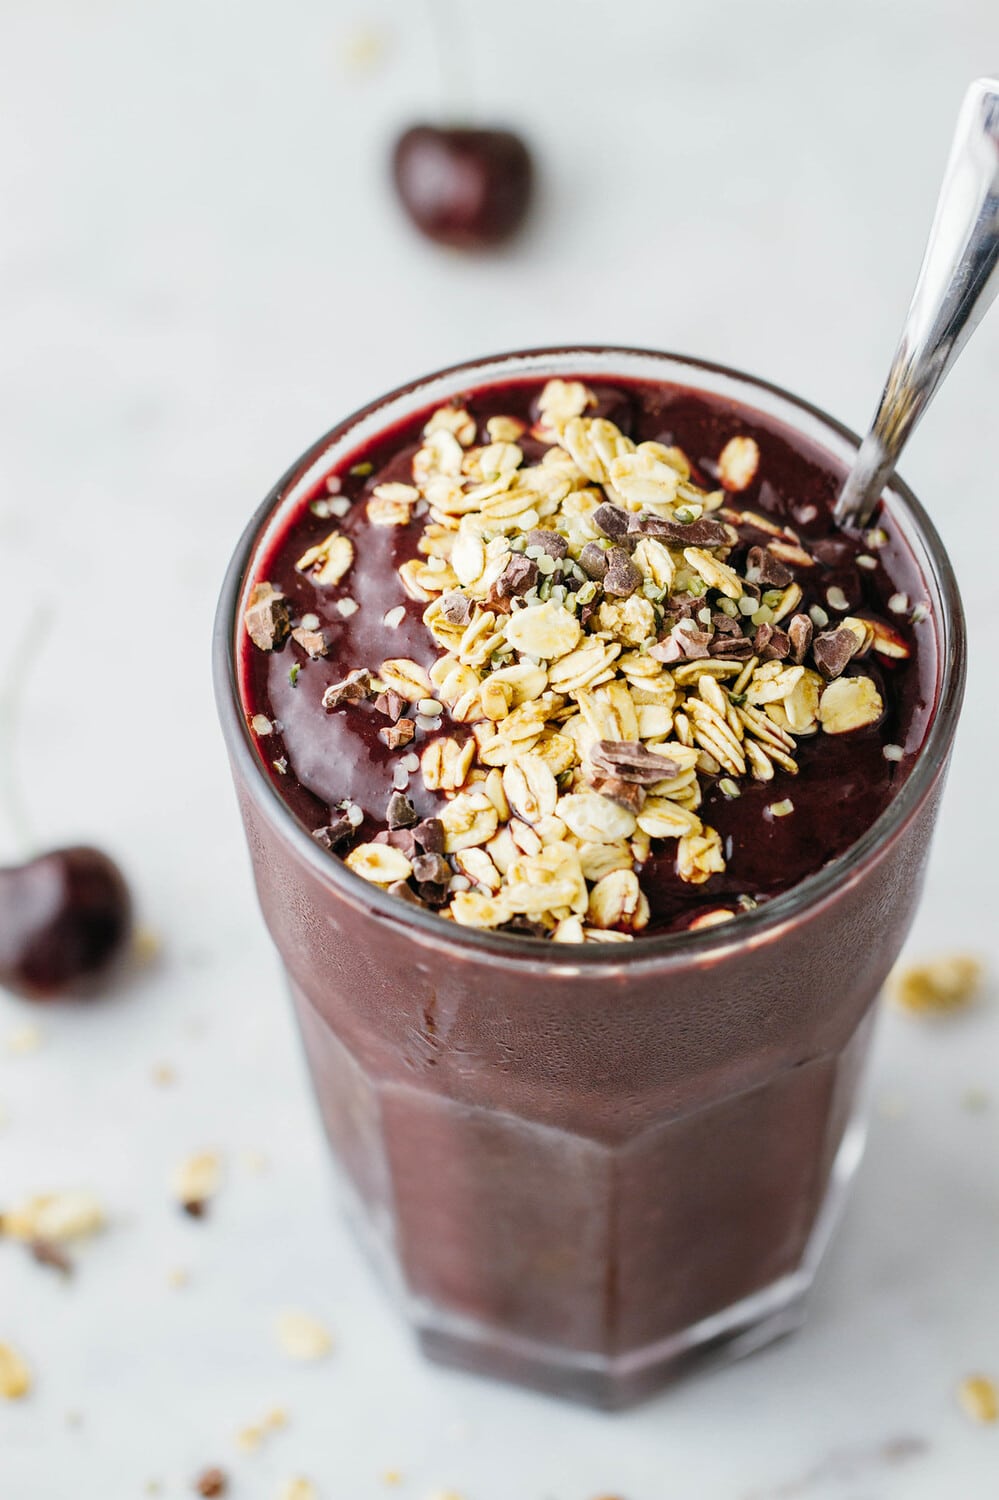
x: 583, y: 1168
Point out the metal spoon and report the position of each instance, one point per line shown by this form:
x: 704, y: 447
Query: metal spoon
x: 957, y: 281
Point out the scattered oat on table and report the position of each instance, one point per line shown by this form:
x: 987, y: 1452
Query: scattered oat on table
x: 23, y: 1040
x: 979, y: 1398
x: 301, y: 1336
x: 297, y: 1489
x: 15, y: 1377
x: 196, y: 1180
x: 54, y: 1218
x: 942, y: 984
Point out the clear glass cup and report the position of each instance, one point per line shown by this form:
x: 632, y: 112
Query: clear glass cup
x: 582, y: 1168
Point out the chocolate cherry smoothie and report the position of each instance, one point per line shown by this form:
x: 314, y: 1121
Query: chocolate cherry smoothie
x: 588, y: 771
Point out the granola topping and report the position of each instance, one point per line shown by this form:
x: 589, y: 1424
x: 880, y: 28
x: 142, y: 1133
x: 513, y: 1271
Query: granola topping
x: 597, y: 654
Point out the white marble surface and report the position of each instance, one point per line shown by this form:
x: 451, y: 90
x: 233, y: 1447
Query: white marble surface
x: 201, y: 268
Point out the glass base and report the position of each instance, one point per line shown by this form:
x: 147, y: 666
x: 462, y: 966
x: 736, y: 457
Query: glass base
x: 615, y: 1382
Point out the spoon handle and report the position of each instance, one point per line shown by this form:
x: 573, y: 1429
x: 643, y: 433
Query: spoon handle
x: 957, y: 281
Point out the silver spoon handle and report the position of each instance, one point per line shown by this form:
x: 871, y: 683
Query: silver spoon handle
x: 957, y: 281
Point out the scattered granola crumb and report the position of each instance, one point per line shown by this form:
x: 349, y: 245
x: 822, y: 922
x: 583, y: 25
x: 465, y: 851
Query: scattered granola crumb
x: 147, y: 945
x: 256, y: 1162
x: 297, y: 1489
x: 301, y: 1336
x: 392, y: 1476
x: 211, y: 1482
x: 976, y: 1100
x: 48, y: 1254
x: 15, y: 1377
x: 54, y: 1217
x: 195, y: 1181
x: 943, y: 984
x: 23, y: 1040
x: 164, y: 1075
x: 979, y: 1398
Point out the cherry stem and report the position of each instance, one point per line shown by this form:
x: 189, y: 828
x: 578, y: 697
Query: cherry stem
x: 11, y: 701
x: 453, y: 59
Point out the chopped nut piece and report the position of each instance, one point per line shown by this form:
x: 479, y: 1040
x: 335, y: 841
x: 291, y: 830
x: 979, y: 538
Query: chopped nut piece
x: 312, y: 642
x: 15, y: 1377
x: 738, y: 463
x: 302, y: 1337
x: 849, y: 703
x: 327, y: 562
x: 397, y: 736
x: 979, y: 1398
x: 943, y: 984
x: 446, y: 762
x: 354, y: 688
x: 267, y: 617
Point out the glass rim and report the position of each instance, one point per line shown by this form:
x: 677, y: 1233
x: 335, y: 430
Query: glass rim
x: 764, y: 922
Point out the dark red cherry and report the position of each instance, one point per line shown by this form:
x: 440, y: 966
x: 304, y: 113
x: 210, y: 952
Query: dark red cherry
x: 467, y: 188
x: 64, y: 917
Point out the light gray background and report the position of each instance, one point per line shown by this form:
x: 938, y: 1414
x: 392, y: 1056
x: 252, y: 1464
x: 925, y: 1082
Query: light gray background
x: 200, y: 269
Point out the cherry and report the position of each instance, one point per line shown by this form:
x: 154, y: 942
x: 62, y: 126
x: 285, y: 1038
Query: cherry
x: 64, y: 917
x: 463, y: 187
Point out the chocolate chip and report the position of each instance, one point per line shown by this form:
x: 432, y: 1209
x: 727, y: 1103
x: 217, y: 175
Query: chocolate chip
x: 700, y: 533
x: 622, y: 577
x: 612, y: 519
x: 391, y: 704
x: 832, y: 650
x: 400, y: 812
x: 517, y: 578
x: 731, y: 647
x: 762, y: 567
x: 777, y: 647
x: 725, y: 625
x: 431, y: 869
x: 833, y: 551
x: 333, y: 834
x: 430, y: 835
x: 268, y: 616
x: 524, y: 927
x: 625, y: 793
x: 433, y: 895
x: 762, y: 637
x: 694, y: 644
x: 456, y: 607
x: 630, y: 760
x: 552, y: 542
x: 402, y: 839
x: 354, y: 688
x: 399, y: 734
x: 800, y: 635
x: 593, y: 560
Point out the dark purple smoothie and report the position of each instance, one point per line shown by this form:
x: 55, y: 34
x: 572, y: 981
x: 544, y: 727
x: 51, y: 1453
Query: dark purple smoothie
x: 582, y: 680
x: 322, y: 760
